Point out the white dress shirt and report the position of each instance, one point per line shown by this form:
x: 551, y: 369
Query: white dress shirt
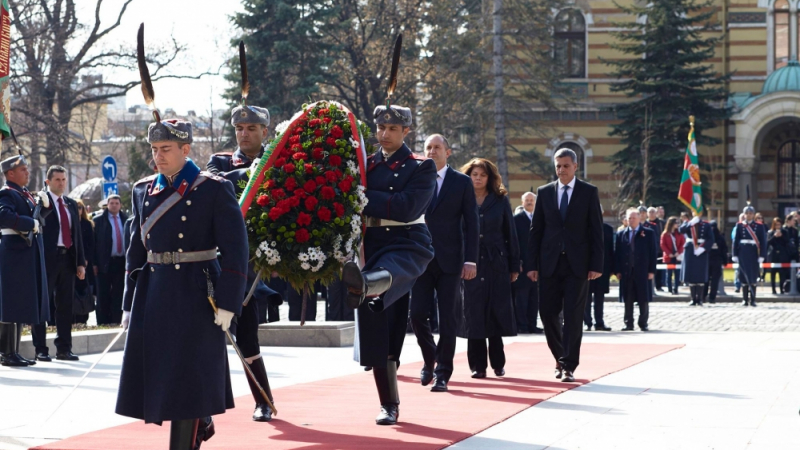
x: 57, y: 211
x: 569, y: 191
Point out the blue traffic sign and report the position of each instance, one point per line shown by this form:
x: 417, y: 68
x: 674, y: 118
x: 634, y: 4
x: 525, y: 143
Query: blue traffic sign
x: 110, y: 189
x: 109, y: 167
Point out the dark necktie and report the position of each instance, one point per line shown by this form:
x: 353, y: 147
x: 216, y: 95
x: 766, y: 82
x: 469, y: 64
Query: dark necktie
x: 564, y: 203
x: 632, y: 239
x: 435, y: 193
x: 117, y: 226
x: 64, y: 219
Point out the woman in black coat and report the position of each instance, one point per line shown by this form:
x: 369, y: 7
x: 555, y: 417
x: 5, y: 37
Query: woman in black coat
x: 777, y: 252
x: 488, y: 310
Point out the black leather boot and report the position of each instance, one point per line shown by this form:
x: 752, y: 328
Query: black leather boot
x: 746, y: 295
x: 753, y: 295
x: 8, y: 346
x: 361, y: 285
x: 386, y: 382
x: 182, y: 434
x: 262, y: 413
x: 30, y: 362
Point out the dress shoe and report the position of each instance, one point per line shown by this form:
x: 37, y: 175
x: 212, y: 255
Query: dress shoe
x: 30, y: 362
x: 500, y: 372
x: 692, y: 303
x: 602, y: 328
x: 12, y: 360
x: 737, y: 290
x: 44, y: 357
x: 588, y: 328
x: 568, y: 377
x: 389, y: 414
x: 537, y: 330
x: 440, y: 385
x: 69, y: 356
x: 744, y: 303
x: 628, y: 328
x: 559, y: 372
x: 477, y: 374
x: 425, y: 376
x: 644, y: 328
x: 367, y: 368
x: 752, y: 303
x: 263, y: 413
x: 699, y: 303
x: 205, y: 431
x: 712, y: 301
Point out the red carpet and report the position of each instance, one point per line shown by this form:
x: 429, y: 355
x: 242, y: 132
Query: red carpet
x: 339, y: 413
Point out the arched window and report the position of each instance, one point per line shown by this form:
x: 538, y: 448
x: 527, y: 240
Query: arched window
x: 570, y: 42
x: 789, y: 169
x: 782, y: 34
x: 581, y: 157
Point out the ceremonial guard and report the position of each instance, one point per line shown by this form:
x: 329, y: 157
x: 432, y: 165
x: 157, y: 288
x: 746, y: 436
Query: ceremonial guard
x: 250, y: 123
x: 23, y: 279
x: 694, y: 270
x: 749, y: 250
x: 397, y: 248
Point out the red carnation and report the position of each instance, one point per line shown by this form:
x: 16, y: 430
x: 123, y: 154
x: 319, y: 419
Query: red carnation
x: 300, y: 193
x: 303, y: 219
x: 328, y: 193
x: 280, y: 162
x: 318, y: 153
x: 278, y: 194
x: 294, y: 140
x: 310, y: 186
x: 301, y: 236
x: 290, y: 184
x: 313, y: 122
x: 294, y: 202
x: 339, y: 208
x: 263, y: 200
x: 297, y: 148
x: 298, y: 130
x: 338, y: 173
x: 311, y: 203
x: 289, y: 168
x: 323, y: 112
x: 335, y: 160
x: 309, y: 168
x: 318, y: 132
x: 285, y: 153
x: 320, y: 180
x: 275, y: 213
x: 331, y: 176
x: 300, y: 155
x: 326, y: 120
x: 324, y: 214
x: 337, y: 132
x: 331, y: 141
x: 345, y: 186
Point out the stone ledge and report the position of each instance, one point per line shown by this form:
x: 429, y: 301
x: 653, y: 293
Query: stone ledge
x: 83, y: 343
x: 312, y: 334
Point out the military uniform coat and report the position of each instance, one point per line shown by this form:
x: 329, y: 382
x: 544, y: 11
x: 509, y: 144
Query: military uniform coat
x: 487, y: 307
x: 23, y: 278
x: 748, y: 252
x: 694, y: 269
x: 175, y: 364
x: 398, y: 188
x: 231, y: 166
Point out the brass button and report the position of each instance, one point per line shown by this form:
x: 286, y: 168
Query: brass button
x: 180, y: 250
x: 397, y: 174
x: 180, y: 235
x: 183, y: 218
x: 391, y: 188
x: 148, y: 235
x: 177, y: 267
x: 152, y: 269
x: 387, y: 228
x: 188, y: 203
x: 481, y: 236
x: 146, y: 203
x: 481, y: 279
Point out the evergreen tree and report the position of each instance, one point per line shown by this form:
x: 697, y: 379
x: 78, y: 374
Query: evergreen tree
x: 668, y: 77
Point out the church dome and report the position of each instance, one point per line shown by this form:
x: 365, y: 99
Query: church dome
x: 787, y: 78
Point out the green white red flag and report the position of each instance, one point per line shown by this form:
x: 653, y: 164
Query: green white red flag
x: 5, y: 70
x: 691, y: 190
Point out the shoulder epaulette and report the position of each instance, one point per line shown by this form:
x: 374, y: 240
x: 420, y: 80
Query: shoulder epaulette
x: 211, y: 176
x: 223, y: 154
x: 146, y: 179
x: 418, y: 157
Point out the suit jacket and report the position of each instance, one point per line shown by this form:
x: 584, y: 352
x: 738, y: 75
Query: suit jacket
x: 581, y: 234
x: 104, y: 241
x: 51, y: 229
x: 523, y: 226
x: 453, y: 223
x: 642, y: 264
x: 601, y: 285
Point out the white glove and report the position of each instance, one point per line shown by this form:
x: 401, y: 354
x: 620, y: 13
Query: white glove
x: 694, y: 220
x: 760, y: 260
x: 126, y: 319
x: 35, y: 226
x: 45, y: 199
x: 699, y: 251
x: 223, y: 319
x: 735, y: 259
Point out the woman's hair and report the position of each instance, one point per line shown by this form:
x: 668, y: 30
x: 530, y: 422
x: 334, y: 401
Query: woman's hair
x: 672, y: 221
x: 495, y: 183
x: 776, y: 224
x: 83, y: 213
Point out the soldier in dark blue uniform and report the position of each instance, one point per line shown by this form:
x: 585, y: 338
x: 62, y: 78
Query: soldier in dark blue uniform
x: 397, y: 248
x: 694, y: 270
x: 749, y: 250
x: 175, y: 365
x: 251, y: 124
x: 23, y: 279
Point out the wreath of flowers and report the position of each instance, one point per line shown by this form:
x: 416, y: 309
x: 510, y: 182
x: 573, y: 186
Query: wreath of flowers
x: 303, y: 209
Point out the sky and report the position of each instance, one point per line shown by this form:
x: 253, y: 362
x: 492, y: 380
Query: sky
x: 203, y: 26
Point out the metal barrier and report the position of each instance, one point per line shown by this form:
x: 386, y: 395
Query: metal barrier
x: 791, y: 265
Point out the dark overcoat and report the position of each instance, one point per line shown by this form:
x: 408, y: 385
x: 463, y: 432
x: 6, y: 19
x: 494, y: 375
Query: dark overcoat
x: 487, y: 308
x: 694, y: 269
x: 601, y: 285
x: 522, y: 224
x: 718, y: 256
x: 749, y: 244
x: 637, y: 268
x: 400, y: 189
x: 175, y: 364
x: 23, y: 278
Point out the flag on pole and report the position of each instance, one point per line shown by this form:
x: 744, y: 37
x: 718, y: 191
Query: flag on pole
x: 5, y: 70
x: 691, y: 191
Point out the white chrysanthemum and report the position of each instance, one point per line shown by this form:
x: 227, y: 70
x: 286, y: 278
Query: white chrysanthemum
x: 303, y: 257
x: 258, y: 253
x: 352, y: 167
x: 281, y: 127
x: 354, y: 143
x: 305, y: 266
x: 273, y: 244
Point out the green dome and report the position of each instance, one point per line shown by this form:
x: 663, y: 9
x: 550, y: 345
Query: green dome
x: 787, y: 78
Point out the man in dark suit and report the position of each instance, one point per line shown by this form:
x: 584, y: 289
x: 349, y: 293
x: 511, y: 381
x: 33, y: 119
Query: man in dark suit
x: 451, y: 210
x: 636, y: 267
x: 598, y: 288
x: 64, y: 259
x: 566, y: 251
x: 657, y: 226
x: 526, y: 292
x: 109, y: 239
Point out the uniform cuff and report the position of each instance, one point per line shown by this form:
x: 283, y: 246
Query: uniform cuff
x: 470, y: 263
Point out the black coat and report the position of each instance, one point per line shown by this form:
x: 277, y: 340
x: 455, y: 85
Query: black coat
x: 88, y: 249
x: 643, y: 264
x: 581, y: 234
x: 51, y: 229
x: 487, y: 307
x: 453, y: 223
x: 103, y: 239
x: 601, y: 285
x: 777, y: 247
x: 718, y: 256
x: 522, y: 224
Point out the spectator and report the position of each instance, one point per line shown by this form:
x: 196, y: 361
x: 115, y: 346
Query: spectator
x: 760, y: 218
x: 624, y: 223
x: 85, y: 289
x: 717, y: 258
x: 526, y: 292
x: 110, y: 261
x: 685, y: 217
x: 777, y: 252
x: 661, y: 215
x: 658, y: 227
x: 736, y: 282
x: 790, y: 230
x: 672, y: 247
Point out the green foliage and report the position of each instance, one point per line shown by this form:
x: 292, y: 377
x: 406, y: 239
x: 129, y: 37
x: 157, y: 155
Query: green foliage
x: 672, y: 81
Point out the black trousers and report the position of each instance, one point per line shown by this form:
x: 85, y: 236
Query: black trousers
x: 110, y: 287
x: 710, y: 289
x: 476, y: 354
x: 245, y: 328
x: 61, y: 286
x: 296, y: 304
x: 336, y: 310
x: 448, y: 289
x: 631, y: 297
x: 563, y: 291
x: 599, y: 298
x: 526, y: 302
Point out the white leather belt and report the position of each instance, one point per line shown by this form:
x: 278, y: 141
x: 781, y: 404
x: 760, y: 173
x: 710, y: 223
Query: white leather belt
x: 5, y: 231
x: 699, y: 241
x: 181, y: 257
x: 747, y: 241
x: 375, y: 222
